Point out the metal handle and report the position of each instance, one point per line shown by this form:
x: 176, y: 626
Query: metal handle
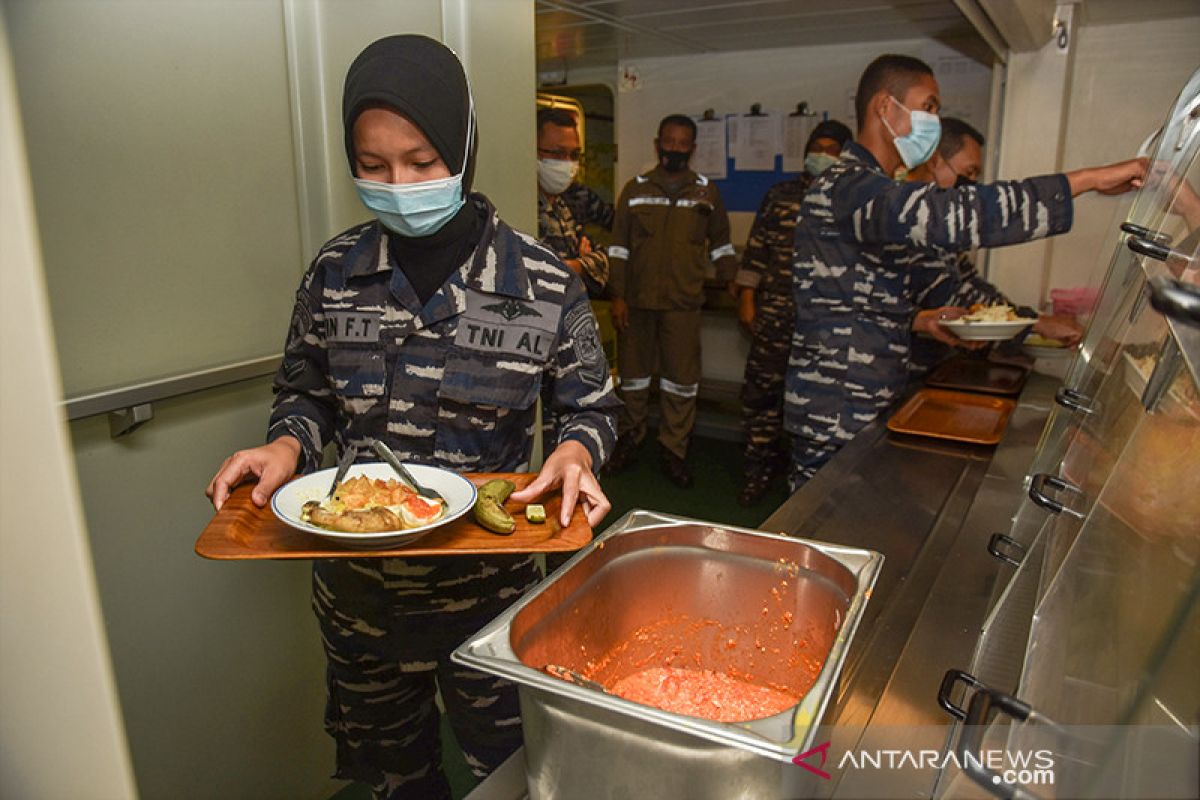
x: 1143, y: 232
x: 1073, y: 400
x: 1145, y: 247
x: 998, y: 539
x: 1037, y: 493
x: 1175, y: 299
x: 971, y: 741
x: 952, y: 677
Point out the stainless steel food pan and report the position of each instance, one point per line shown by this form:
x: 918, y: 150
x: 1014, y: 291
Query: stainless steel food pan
x: 771, y: 591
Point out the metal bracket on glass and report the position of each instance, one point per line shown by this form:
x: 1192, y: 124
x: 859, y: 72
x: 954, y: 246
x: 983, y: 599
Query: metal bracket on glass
x: 952, y: 677
x: 124, y: 421
x: 1175, y: 299
x: 1037, y: 493
x: 970, y: 743
x: 1074, y: 400
x: 1143, y: 232
x: 999, y: 541
x: 1152, y: 249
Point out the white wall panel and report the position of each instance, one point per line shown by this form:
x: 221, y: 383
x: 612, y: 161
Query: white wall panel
x: 56, y: 682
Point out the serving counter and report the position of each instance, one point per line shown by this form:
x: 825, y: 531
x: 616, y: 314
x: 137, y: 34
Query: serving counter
x: 931, y: 508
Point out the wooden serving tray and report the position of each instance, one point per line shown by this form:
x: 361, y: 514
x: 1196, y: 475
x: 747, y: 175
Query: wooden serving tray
x: 242, y: 530
x: 960, y: 416
x: 978, y: 375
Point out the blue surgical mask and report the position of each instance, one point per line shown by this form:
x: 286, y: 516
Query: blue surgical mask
x: 418, y: 209
x: 918, y: 144
x: 816, y: 163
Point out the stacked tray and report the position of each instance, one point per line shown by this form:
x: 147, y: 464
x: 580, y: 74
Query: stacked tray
x: 966, y: 405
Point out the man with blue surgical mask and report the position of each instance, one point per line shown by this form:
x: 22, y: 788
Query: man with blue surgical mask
x: 558, y: 154
x: 862, y: 235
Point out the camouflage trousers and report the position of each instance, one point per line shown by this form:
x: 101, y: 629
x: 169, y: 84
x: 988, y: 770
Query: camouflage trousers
x: 808, y: 456
x: 763, y: 385
x: 388, y: 627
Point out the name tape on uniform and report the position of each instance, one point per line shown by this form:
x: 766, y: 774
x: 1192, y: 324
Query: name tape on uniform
x: 511, y: 325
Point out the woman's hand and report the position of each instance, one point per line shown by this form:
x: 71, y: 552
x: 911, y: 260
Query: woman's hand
x: 271, y: 464
x: 569, y: 466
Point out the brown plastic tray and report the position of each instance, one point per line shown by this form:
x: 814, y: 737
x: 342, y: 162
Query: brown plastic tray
x: 978, y: 375
x: 242, y: 530
x: 960, y: 416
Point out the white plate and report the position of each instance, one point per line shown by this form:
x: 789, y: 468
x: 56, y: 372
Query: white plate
x: 986, y: 331
x: 291, y: 497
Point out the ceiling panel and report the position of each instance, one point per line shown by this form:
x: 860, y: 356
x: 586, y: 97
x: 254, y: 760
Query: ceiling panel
x: 586, y: 33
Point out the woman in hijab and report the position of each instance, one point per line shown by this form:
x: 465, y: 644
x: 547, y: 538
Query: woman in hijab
x: 434, y: 328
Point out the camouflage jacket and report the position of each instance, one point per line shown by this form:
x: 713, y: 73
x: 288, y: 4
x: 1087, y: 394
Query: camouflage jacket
x: 860, y: 239
x: 452, y: 384
x: 958, y: 283
x: 767, y: 262
x: 588, y: 207
x: 665, y: 235
x: 560, y: 231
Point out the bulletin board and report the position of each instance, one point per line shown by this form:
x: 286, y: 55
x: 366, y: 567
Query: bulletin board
x: 743, y: 178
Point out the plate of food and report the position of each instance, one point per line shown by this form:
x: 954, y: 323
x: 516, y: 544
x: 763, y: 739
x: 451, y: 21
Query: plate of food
x: 371, y: 508
x: 987, y: 324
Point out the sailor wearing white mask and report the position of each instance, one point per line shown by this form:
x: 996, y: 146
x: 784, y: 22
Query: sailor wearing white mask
x: 558, y: 154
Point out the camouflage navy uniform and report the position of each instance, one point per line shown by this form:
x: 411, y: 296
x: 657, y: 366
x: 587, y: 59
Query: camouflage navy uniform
x: 860, y: 238
x: 767, y: 268
x: 954, y: 282
x: 588, y: 207
x: 451, y: 384
x: 560, y: 231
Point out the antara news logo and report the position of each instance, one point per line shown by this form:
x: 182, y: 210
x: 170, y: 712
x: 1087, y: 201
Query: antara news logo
x: 1035, y: 767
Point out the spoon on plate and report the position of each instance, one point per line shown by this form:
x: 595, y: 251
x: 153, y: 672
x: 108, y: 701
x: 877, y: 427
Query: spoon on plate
x: 385, y: 452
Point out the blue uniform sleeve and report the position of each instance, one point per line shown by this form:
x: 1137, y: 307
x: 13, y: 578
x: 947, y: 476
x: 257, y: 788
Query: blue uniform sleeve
x: 582, y: 398
x: 872, y: 209
x: 304, y: 402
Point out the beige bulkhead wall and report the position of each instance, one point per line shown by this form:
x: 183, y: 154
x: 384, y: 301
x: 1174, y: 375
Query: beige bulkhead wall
x: 1094, y: 103
x: 56, y: 682
x: 186, y: 158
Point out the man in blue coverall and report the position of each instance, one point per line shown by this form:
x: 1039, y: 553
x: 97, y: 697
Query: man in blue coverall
x: 860, y: 237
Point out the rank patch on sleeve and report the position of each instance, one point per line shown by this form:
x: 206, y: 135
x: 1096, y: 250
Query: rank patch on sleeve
x: 585, y: 340
x: 498, y: 324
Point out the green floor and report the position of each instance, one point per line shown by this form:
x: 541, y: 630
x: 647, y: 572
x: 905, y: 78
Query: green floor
x: 716, y: 464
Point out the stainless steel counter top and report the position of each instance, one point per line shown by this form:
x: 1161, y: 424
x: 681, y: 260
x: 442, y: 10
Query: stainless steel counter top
x: 930, y: 507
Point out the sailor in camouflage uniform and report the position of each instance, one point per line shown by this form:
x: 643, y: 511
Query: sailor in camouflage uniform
x: 958, y: 162
x: 588, y: 207
x: 436, y: 336
x: 860, y: 237
x: 558, y: 162
x: 767, y: 310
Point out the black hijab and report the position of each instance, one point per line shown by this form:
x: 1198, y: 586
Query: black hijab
x: 423, y: 80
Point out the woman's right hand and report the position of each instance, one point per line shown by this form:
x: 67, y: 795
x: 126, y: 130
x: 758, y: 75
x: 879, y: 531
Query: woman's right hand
x: 271, y: 464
